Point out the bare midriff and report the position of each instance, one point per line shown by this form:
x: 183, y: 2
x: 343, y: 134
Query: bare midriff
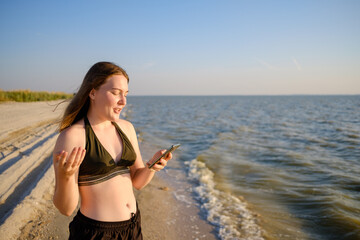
x: 109, y: 201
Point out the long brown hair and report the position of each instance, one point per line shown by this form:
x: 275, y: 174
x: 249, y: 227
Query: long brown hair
x: 94, y: 78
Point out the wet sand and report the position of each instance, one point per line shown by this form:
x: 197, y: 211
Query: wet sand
x: 27, y: 136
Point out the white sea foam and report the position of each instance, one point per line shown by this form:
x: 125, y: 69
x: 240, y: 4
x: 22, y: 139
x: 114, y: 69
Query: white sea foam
x: 227, y: 212
x: 183, y: 198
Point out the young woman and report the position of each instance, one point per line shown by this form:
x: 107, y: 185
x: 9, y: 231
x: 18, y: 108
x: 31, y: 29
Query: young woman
x: 97, y: 158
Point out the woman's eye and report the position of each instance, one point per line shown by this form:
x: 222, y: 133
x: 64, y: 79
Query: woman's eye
x: 118, y: 94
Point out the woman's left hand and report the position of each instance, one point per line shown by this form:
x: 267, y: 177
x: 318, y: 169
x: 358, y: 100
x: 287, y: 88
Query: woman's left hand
x: 163, y: 161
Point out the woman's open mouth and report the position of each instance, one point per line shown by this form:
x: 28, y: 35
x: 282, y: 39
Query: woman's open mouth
x: 117, y: 110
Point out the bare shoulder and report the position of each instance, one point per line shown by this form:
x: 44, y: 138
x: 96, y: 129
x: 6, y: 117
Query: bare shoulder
x: 124, y: 123
x: 74, y: 130
x: 127, y: 127
x: 73, y: 136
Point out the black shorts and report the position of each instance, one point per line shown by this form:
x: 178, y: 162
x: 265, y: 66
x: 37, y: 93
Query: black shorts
x: 86, y: 228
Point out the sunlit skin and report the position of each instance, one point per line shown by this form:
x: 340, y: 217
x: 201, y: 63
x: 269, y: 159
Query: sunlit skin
x: 112, y: 200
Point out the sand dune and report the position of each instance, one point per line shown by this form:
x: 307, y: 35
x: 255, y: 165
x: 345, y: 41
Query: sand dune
x: 27, y: 137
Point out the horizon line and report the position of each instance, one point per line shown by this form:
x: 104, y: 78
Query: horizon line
x: 241, y: 95
x: 202, y: 95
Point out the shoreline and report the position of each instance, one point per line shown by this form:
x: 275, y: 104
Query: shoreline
x: 27, y: 137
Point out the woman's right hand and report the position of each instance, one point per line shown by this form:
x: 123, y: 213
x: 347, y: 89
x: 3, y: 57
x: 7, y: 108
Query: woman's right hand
x: 68, y: 165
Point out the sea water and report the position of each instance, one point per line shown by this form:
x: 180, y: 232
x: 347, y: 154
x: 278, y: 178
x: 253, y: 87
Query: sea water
x: 263, y: 167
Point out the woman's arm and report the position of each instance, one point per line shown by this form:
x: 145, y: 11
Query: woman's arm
x: 141, y: 175
x: 66, y: 166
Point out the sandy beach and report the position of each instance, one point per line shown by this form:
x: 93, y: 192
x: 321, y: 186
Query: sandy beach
x: 27, y: 136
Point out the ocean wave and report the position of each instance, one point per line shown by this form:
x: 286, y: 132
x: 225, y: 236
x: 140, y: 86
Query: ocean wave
x: 229, y: 213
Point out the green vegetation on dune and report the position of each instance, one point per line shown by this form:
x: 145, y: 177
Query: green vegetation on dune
x: 29, y: 96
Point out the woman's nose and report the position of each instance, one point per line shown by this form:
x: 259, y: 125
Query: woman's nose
x: 122, y: 100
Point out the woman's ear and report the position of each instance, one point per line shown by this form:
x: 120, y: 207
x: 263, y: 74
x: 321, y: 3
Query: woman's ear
x: 92, y: 94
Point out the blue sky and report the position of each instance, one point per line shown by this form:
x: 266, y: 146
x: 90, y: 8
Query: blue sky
x: 184, y: 47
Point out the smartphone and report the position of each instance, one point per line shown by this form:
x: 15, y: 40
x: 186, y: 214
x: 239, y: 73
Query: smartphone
x: 171, y: 149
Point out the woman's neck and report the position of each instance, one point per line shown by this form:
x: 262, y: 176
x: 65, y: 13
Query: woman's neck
x: 96, y: 120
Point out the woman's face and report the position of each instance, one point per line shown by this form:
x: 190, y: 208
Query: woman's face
x: 110, y: 98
